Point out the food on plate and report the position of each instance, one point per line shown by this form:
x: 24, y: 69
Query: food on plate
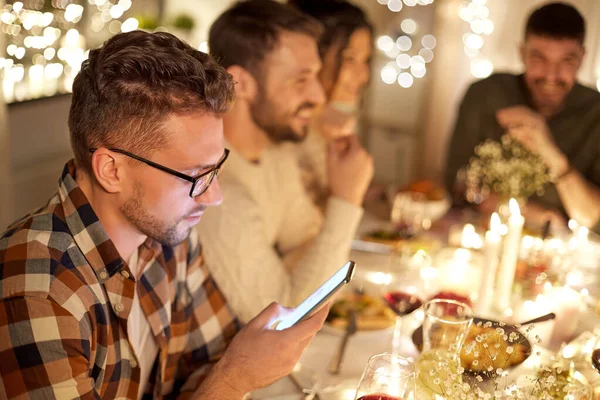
x: 432, y: 190
x: 492, y: 346
x: 372, y: 312
x: 390, y: 238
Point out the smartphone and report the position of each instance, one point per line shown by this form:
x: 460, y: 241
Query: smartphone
x: 318, y: 298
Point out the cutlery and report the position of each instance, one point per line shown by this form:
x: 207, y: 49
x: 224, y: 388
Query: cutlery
x: 336, y: 361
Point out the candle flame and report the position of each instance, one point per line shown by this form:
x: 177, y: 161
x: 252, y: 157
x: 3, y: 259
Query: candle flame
x: 470, y: 238
x: 513, y: 205
x: 495, y: 223
x: 573, y: 224
x: 468, y: 229
x: 583, y: 232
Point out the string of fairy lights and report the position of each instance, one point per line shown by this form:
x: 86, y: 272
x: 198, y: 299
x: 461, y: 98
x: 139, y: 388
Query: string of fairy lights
x: 408, y: 50
x: 408, y: 61
x: 45, y: 44
x: 476, y: 14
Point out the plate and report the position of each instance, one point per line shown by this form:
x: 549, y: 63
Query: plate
x: 373, y: 314
x: 520, y: 344
x: 388, y: 238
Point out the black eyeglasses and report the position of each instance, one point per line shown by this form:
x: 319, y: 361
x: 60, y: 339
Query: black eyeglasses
x: 200, y: 183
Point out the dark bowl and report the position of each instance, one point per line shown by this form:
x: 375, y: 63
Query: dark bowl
x: 417, y: 338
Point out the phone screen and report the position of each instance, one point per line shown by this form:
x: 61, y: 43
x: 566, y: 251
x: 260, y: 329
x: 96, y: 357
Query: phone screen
x: 318, y: 297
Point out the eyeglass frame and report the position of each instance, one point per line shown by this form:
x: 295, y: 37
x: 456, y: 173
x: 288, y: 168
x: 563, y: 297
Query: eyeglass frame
x: 193, y: 180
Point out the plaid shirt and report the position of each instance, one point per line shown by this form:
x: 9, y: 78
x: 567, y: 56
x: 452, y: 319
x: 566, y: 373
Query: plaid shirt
x: 65, y: 294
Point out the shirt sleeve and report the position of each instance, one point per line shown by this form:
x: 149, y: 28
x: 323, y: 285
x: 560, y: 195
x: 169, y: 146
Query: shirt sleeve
x: 465, y: 137
x: 45, y: 351
x: 210, y: 323
x: 250, y: 270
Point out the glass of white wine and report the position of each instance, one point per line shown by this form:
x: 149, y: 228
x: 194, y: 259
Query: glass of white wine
x: 445, y: 328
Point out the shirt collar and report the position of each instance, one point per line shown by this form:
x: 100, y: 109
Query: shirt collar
x: 86, y: 229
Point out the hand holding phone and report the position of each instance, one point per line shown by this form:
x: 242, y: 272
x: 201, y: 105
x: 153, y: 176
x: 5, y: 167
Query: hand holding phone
x: 318, y: 298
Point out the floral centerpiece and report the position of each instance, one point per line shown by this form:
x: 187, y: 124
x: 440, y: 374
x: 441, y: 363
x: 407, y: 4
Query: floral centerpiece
x: 507, y: 169
x: 486, y: 376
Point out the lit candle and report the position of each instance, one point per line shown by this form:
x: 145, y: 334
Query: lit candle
x: 490, y: 263
x: 508, y: 265
x: 568, y: 306
x: 470, y: 238
x: 460, y: 273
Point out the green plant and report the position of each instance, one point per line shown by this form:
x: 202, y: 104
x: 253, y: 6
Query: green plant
x: 147, y: 23
x: 184, y: 21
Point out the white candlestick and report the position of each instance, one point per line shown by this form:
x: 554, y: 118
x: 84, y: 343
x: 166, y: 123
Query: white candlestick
x: 490, y: 263
x: 510, y: 255
x: 568, y: 306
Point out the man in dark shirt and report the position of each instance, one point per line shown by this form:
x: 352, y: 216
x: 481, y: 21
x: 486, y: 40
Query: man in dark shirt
x: 547, y: 111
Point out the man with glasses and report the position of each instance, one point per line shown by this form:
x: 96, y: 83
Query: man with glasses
x: 103, y: 291
x: 268, y: 241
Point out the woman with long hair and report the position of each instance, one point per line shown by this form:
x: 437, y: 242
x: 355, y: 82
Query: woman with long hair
x: 345, y: 48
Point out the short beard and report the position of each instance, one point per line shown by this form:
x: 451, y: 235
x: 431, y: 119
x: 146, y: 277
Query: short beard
x: 261, y: 111
x: 149, y: 225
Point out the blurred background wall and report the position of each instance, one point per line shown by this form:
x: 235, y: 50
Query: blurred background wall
x: 405, y: 128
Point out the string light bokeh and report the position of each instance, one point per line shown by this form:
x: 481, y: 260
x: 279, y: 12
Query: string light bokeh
x: 45, y: 44
x: 476, y: 14
x: 408, y: 53
x: 397, y: 5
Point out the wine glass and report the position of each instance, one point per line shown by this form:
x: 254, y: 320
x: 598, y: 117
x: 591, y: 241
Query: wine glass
x: 405, y: 288
x: 387, y: 377
x: 445, y: 329
x: 409, y: 213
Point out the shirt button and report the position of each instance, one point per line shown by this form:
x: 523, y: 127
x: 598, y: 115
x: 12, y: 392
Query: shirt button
x: 103, y: 275
x: 132, y: 363
x: 119, y: 307
x: 125, y: 274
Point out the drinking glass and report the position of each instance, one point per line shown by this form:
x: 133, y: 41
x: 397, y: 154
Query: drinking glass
x: 409, y: 212
x: 405, y: 288
x: 446, y: 325
x: 387, y: 377
x: 445, y: 328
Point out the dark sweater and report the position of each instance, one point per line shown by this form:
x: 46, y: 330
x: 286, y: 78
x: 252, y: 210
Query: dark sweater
x: 576, y: 129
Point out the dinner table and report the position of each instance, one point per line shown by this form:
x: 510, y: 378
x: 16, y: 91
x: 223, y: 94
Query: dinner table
x: 312, y: 378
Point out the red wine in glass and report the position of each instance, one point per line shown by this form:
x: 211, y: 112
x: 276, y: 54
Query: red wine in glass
x: 402, y: 303
x: 378, y: 396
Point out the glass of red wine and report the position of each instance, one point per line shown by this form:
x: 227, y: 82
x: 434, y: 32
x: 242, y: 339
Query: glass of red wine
x: 387, y: 377
x: 405, y: 289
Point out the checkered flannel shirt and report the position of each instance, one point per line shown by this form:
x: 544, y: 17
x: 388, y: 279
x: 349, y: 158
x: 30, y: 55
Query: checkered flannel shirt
x: 65, y: 294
